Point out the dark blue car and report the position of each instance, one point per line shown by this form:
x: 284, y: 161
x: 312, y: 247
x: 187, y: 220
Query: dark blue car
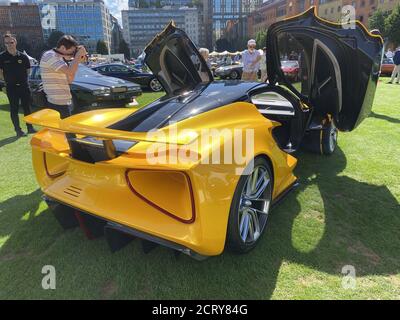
x: 146, y: 80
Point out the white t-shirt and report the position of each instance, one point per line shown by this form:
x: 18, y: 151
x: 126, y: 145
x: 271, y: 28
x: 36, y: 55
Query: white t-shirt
x: 248, y: 58
x: 55, y: 82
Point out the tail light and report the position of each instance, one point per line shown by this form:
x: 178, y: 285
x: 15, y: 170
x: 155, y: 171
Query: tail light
x: 168, y: 191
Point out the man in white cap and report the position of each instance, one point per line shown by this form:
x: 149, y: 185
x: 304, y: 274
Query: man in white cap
x: 251, y: 61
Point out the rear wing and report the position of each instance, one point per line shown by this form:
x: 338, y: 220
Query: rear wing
x: 50, y: 119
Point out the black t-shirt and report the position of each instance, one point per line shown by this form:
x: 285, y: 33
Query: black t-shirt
x: 14, y: 68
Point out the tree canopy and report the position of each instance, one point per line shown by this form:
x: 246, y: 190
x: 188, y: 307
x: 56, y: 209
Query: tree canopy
x: 392, y: 25
x: 377, y: 21
x: 101, y: 47
x: 53, y: 38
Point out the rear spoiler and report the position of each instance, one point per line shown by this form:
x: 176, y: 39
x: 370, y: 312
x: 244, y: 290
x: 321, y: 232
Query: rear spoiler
x: 50, y: 119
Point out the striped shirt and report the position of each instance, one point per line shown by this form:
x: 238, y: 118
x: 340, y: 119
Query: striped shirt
x: 55, y: 82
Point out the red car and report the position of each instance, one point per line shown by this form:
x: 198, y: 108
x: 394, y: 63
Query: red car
x: 290, y: 69
x: 387, y: 66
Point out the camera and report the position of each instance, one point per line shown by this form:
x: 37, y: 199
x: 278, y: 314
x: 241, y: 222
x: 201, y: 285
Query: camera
x: 76, y: 51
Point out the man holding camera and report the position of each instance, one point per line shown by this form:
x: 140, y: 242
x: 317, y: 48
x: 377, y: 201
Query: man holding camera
x: 58, y: 67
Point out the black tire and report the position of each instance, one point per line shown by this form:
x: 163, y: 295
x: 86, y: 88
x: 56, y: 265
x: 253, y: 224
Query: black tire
x: 322, y: 141
x: 155, y: 85
x: 329, y: 139
x: 234, y: 240
x: 234, y: 75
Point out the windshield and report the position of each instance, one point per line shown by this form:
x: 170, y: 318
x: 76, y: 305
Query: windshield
x: 84, y: 71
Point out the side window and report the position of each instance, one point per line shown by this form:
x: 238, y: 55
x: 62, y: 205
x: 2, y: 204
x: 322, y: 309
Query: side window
x: 118, y: 69
x: 295, y: 52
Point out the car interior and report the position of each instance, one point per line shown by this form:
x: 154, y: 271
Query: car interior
x: 277, y: 104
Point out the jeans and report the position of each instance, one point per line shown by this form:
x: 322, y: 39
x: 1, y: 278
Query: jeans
x: 19, y: 95
x: 64, y: 110
x: 396, y: 74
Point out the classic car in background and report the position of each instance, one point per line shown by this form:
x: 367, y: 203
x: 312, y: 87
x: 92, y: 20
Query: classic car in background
x: 290, y: 69
x: 232, y: 71
x: 90, y: 90
x: 146, y: 80
x: 387, y: 66
x: 106, y: 181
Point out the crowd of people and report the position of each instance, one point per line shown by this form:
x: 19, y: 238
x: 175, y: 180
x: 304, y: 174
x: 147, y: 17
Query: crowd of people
x: 395, y: 78
x: 59, y: 66
x: 252, y: 60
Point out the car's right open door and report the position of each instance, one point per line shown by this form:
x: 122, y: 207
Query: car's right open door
x: 338, y: 65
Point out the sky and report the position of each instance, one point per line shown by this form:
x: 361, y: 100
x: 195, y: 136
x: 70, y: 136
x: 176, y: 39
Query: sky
x: 116, y: 6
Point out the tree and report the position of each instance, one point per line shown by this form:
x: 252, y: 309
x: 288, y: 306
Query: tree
x: 392, y: 25
x: 261, y: 39
x: 222, y: 44
x: 53, y: 38
x: 377, y: 21
x: 143, y: 4
x: 101, y: 47
x: 124, y: 48
x: 23, y: 44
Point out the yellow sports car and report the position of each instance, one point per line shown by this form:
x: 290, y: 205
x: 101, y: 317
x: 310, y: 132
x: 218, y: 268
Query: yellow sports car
x: 199, y: 169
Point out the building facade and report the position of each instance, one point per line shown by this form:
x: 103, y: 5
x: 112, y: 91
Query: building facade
x: 116, y: 35
x: 143, y: 4
x: 141, y: 25
x: 230, y: 16
x: 361, y: 10
x: 333, y: 10
x: 22, y: 20
x: 387, y: 6
x: 87, y: 20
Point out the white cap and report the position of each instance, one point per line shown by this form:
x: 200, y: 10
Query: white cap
x: 251, y: 41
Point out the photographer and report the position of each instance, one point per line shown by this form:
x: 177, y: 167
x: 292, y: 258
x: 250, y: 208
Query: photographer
x: 58, y: 67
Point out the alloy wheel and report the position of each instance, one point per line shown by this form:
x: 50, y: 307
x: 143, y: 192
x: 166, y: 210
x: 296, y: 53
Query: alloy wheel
x: 155, y: 85
x: 254, y: 204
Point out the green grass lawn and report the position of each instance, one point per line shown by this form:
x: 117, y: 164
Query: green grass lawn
x: 345, y: 212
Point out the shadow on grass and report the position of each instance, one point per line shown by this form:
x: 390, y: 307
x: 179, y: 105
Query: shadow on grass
x: 360, y: 221
x: 384, y: 117
x: 4, y: 142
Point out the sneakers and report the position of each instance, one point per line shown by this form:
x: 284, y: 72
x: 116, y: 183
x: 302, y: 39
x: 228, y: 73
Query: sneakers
x: 20, y: 134
x: 31, y: 130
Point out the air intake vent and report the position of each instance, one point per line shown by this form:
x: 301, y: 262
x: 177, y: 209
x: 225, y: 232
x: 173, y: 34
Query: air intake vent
x: 73, y: 191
